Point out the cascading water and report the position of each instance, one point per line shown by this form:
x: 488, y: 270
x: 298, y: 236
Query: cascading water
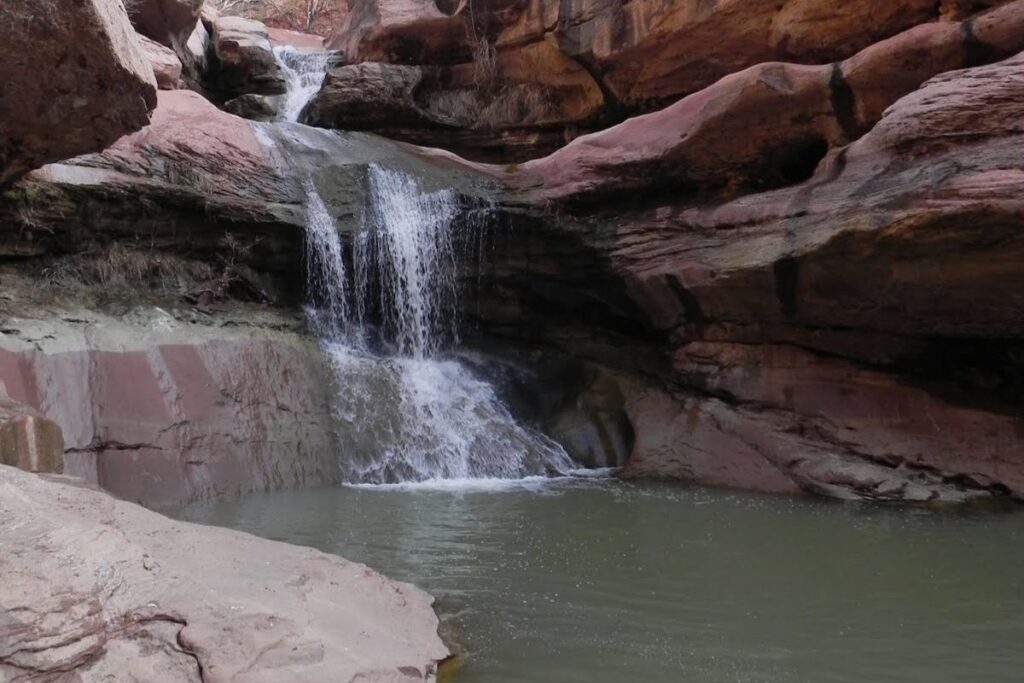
x: 408, y: 415
x: 304, y: 74
x: 413, y: 416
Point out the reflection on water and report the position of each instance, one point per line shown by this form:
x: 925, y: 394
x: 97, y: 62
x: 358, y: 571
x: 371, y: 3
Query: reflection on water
x: 601, y: 581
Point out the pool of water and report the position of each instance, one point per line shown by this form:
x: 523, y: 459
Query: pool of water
x: 598, y: 580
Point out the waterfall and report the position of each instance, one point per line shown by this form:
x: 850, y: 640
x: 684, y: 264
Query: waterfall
x: 407, y: 240
x: 304, y: 74
x: 409, y: 414
x: 325, y: 269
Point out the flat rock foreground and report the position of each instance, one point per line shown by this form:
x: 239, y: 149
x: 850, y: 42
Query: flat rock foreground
x: 97, y: 589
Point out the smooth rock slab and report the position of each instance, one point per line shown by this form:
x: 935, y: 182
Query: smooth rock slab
x: 99, y: 589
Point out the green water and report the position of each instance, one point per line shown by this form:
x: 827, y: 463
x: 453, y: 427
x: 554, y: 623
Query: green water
x: 602, y: 581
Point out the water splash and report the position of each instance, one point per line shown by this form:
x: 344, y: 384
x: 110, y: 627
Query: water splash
x: 414, y: 419
x: 304, y: 74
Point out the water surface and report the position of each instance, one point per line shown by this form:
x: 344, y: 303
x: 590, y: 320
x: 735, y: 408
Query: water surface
x: 602, y: 581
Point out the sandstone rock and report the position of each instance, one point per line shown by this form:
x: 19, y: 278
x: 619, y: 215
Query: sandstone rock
x: 627, y: 57
x: 296, y: 39
x: 768, y: 125
x: 169, y: 22
x: 64, y: 94
x: 194, y: 56
x: 100, y: 589
x: 28, y: 440
x: 160, y: 410
x: 245, y: 59
x: 521, y: 106
x: 165, y: 63
x: 858, y: 335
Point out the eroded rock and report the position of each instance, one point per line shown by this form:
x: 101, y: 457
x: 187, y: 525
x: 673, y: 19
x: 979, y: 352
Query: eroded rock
x: 96, y: 588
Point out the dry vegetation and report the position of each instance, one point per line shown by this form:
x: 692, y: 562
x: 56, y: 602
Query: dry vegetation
x: 310, y: 16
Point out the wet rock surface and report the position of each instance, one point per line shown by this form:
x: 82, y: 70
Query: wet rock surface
x: 100, y: 589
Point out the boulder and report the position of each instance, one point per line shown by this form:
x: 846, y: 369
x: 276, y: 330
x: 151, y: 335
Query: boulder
x: 28, y: 440
x: 165, y: 63
x: 100, y: 589
x: 245, y: 59
x: 74, y: 80
x: 168, y: 22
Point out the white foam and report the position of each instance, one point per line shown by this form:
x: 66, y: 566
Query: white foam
x: 492, y: 484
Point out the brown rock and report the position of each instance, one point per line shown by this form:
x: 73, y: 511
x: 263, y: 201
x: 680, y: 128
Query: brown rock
x: 28, y: 440
x: 858, y: 335
x: 297, y: 39
x: 100, y: 589
x: 771, y: 124
x: 64, y: 94
x: 168, y: 22
x: 245, y: 59
x: 165, y: 63
x: 518, y: 107
x: 634, y: 56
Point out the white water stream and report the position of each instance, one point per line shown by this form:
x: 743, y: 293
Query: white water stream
x: 304, y: 73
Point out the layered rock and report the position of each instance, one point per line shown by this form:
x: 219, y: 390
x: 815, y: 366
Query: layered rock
x: 100, y: 589
x: 523, y: 103
x: 618, y: 58
x: 162, y: 409
x: 771, y: 124
x: 75, y: 79
x: 857, y: 335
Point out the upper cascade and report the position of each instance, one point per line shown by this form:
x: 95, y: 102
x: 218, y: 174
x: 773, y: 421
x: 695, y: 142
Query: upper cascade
x: 304, y: 72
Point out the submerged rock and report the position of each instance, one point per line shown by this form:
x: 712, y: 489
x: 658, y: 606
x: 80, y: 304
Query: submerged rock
x: 101, y: 589
x: 74, y: 80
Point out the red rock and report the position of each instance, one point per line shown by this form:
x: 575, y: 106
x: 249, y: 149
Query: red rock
x: 64, y: 95
x: 98, y: 588
x: 640, y: 55
x: 768, y: 125
x: 165, y: 63
x: 179, y: 415
x: 283, y: 36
